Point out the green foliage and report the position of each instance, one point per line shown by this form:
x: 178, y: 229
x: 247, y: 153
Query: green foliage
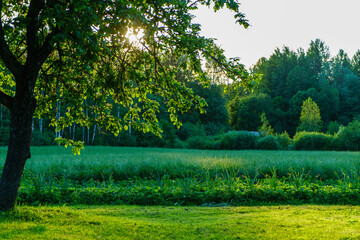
x: 213, y: 128
x: 125, y: 139
x: 348, y: 138
x: 245, y: 111
x: 268, y: 142
x: 295, y: 107
x: 275, y: 71
x: 200, y: 142
x: 295, y: 189
x: 236, y: 141
x: 298, y: 79
x: 106, y: 69
x: 310, y: 119
x: 191, y: 130
x: 333, y: 127
x: 168, y: 135
x: 215, y: 111
x: 42, y: 138
x: 313, y: 141
x: 265, y: 128
x: 291, y: 77
x: 284, y: 140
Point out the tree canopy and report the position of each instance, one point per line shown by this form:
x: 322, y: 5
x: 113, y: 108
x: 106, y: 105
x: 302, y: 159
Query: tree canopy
x: 78, y: 54
x: 310, y: 119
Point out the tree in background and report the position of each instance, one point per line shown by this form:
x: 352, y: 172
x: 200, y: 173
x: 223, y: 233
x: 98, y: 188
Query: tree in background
x: 244, y: 112
x: 344, y: 77
x: 275, y: 70
x: 333, y: 127
x: 318, y: 54
x: 74, y: 55
x: 265, y: 128
x: 310, y: 119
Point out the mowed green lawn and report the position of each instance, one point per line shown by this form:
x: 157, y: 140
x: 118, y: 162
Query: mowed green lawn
x: 139, y: 222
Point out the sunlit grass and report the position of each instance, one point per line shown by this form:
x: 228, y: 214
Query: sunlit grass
x: 169, y: 175
x: 152, y: 176
x: 138, y: 222
x: 174, y: 162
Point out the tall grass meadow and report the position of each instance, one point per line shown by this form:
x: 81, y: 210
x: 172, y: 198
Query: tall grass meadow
x: 152, y: 176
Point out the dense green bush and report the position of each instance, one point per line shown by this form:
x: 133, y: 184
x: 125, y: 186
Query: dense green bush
x: 42, y: 138
x: 348, y: 138
x: 200, y: 142
x: 284, y: 140
x: 333, y: 128
x: 268, y: 142
x: 168, y: 135
x: 236, y: 141
x: 149, y: 140
x: 125, y: 139
x: 189, y: 129
x: 179, y: 144
x: 101, y: 139
x: 214, y: 128
x: 200, y: 136
x: 313, y: 141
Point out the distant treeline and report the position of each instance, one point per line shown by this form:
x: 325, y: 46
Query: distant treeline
x: 288, y: 79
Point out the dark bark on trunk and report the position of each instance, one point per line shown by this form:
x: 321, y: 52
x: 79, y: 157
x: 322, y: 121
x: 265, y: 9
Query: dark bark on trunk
x: 21, y: 106
x: 18, y: 153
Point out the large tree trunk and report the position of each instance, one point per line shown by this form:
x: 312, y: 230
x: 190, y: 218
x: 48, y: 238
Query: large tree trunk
x: 18, y: 152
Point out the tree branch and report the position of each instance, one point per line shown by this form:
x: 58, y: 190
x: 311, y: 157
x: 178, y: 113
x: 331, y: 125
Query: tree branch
x: 33, y: 27
x: 194, y: 3
x: 6, y: 100
x: 47, y: 47
x: 6, y: 55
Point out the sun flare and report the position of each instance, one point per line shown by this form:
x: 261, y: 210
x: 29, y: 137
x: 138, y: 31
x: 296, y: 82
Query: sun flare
x: 135, y: 35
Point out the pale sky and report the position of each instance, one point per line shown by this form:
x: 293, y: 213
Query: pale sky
x: 278, y: 23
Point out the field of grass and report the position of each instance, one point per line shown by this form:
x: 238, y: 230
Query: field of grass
x: 196, y: 195
x: 139, y: 222
x: 124, y: 162
x: 145, y: 176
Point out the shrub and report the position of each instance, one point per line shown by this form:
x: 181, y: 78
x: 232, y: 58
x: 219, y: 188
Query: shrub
x: 168, y: 134
x: 268, y: 142
x: 179, y: 144
x: 190, y: 130
x: 125, y: 139
x: 214, y: 128
x: 333, y: 127
x: 313, y: 141
x: 149, y: 140
x: 200, y: 142
x: 42, y: 138
x: 284, y: 140
x: 236, y: 141
x: 348, y: 138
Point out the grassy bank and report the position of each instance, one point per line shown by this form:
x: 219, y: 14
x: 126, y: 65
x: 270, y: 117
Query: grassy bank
x: 138, y: 222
